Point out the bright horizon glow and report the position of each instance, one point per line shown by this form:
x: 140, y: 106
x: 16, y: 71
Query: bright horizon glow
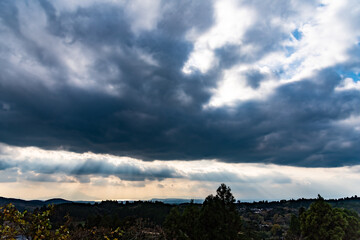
x: 193, y: 179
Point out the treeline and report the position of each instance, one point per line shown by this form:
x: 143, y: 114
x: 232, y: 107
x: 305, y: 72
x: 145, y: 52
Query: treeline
x: 219, y: 217
x: 110, y: 213
x: 346, y: 202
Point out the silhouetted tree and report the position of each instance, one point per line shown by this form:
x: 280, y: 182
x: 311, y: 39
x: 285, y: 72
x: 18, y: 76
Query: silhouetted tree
x: 217, y: 218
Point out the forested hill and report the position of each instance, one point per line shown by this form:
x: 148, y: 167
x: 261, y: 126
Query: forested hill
x: 347, y: 202
x: 22, y: 205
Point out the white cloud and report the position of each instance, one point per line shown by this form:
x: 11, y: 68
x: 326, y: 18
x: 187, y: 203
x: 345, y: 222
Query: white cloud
x: 234, y: 88
x: 231, y: 23
x: 326, y: 38
x: 327, y: 32
x: 348, y: 84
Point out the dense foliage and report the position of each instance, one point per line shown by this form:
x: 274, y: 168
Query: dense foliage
x: 37, y: 225
x: 34, y: 225
x: 217, y: 218
x: 323, y: 222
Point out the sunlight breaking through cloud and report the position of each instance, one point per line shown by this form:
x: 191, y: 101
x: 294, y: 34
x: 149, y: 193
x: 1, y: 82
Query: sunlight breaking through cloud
x: 128, y: 178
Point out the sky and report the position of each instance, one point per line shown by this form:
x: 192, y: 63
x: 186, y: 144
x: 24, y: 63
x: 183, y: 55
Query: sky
x: 141, y: 99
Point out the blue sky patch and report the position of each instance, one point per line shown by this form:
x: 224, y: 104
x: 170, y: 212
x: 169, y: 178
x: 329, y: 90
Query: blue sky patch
x: 348, y: 74
x: 297, y: 34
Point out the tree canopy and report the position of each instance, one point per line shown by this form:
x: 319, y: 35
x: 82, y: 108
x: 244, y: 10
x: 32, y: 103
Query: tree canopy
x: 323, y: 222
x: 216, y: 219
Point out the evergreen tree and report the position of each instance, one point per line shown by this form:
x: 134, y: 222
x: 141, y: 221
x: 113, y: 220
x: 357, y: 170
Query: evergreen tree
x: 322, y: 222
x: 216, y: 219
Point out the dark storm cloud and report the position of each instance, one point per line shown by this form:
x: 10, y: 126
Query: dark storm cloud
x: 5, y: 160
x: 254, y: 78
x: 127, y: 172
x: 136, y: 102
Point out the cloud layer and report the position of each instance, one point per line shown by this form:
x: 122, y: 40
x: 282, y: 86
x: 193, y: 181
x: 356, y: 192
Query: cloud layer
x: 237, y: 81
x: 31, y: 173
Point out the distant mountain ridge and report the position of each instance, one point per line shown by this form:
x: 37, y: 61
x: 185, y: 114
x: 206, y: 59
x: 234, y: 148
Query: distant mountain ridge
x: 31, y: 204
